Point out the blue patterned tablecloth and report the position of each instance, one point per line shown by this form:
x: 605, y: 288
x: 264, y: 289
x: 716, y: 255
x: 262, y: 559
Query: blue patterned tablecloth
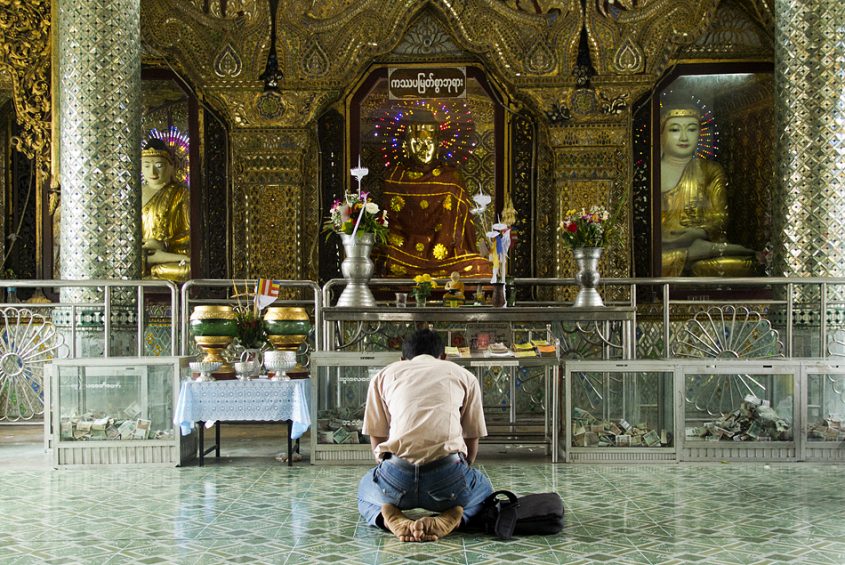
x: 261, y: 400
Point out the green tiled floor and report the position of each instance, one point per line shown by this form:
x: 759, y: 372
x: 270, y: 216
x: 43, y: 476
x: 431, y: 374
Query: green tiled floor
x: 260, y: 511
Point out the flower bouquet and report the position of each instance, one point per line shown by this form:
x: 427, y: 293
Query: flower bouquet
x: 250, y: 327
x: 355, y: 214
x: 422, y: 290
x: 587, y: 228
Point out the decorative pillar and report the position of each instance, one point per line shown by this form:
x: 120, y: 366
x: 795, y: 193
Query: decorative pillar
x: 99, y: 52
x: 810, y: 199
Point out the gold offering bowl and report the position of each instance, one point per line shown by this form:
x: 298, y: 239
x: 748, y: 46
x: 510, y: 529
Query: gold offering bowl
x: 213, y: 346
x: 214, y: 328
x: 286, y: 342
x: 212, y: 312
x: 287, y: 329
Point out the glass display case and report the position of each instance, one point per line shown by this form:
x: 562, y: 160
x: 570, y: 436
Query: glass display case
x: 339, y: 395
x: 740, y: 411
x: 116, y: 410
x: 619, y: 412
x: 520, y: 384
x: 514, y: 392
x: 824, y: 413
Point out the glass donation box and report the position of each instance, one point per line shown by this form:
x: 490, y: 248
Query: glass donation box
x: 512, y: 394
x: 339, y: 395
x: 116, y: 410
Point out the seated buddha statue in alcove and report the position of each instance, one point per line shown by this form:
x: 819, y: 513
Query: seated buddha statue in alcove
x: 431, y: 228
x: 694, y: 208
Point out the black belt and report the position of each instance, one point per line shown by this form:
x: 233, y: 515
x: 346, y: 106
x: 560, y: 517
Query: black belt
x: 401, y: 463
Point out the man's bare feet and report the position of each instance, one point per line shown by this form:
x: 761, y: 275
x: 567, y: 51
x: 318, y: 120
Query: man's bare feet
x: 432, y: 528
x: 398, y: 523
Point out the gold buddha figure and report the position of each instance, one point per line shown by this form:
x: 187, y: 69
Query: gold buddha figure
x: 694, y: 208
x: 454, y: 285
x: 165, y: 217
x: 431, y: 228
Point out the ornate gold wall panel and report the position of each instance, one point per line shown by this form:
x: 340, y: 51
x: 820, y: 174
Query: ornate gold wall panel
x: 25, y: 56
x: 591, y: 167
x: 810, y: 199
x: 267, y: 202
x: 4, y: 173
x: 529, y: 48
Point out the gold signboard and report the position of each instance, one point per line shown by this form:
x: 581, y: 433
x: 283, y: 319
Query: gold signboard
x: 437, y: 82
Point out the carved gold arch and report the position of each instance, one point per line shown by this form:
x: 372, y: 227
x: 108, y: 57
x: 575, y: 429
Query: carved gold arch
x: 326, y: 45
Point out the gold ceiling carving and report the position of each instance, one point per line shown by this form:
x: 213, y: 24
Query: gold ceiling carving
x: 762, y: 12
x: 328, y: 44
x: 643, y: 38
x: 25, y: 57
x: 739, y: 30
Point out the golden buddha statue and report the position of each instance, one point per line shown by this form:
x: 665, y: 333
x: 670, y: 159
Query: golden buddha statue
x: 431, y: 229
x: 165, y: 217
x: 694, y: 208
x: 454, y: 286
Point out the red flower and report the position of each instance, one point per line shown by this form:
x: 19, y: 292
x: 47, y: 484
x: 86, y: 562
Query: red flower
x: 572, y: 228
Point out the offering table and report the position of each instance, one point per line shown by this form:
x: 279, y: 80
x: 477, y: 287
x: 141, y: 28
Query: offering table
x: 256, y: 400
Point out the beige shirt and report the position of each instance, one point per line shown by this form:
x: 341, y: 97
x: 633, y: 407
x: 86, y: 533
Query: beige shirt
x: 425, y: 408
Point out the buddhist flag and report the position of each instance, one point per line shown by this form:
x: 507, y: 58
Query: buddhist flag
x: 266, y: 292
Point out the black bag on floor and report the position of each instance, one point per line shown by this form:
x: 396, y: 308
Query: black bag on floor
x: 521, y: 515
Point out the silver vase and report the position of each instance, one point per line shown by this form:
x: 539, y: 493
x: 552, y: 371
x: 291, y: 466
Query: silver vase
x: 357, y: 269
x: 587, y: 277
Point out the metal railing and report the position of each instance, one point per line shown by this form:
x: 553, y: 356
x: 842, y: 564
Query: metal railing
x: 775, y: 294
x: 201, y: 285
x: 107, y: 286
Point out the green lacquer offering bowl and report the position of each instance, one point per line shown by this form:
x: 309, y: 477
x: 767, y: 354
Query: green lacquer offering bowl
x: 286, y: 327
x: 214, y: 321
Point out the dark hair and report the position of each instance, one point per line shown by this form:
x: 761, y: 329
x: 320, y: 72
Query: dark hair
x: 422, y: 342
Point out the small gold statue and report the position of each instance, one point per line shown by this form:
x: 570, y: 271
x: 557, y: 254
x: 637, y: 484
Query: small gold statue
x: 165, y: 216
x: 694, y: 208
x: 455, y: 287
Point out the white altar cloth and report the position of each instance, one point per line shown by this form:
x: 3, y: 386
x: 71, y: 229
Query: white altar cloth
x: 256, y: 400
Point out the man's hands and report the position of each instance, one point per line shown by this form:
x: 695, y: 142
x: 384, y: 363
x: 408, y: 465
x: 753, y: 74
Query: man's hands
x: 374, y: 443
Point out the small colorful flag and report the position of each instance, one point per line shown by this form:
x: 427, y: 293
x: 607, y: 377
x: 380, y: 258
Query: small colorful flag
x: 266, y: 292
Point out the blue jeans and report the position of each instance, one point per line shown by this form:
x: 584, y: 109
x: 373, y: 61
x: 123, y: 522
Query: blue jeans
x: 436, y: 487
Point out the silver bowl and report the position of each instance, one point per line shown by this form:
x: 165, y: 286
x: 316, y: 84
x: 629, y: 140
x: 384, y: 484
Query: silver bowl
x: 245, y: 369
x: 279, y: 362
x: 204, y: 368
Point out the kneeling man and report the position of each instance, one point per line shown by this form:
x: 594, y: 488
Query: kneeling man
x: 424, y: 418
